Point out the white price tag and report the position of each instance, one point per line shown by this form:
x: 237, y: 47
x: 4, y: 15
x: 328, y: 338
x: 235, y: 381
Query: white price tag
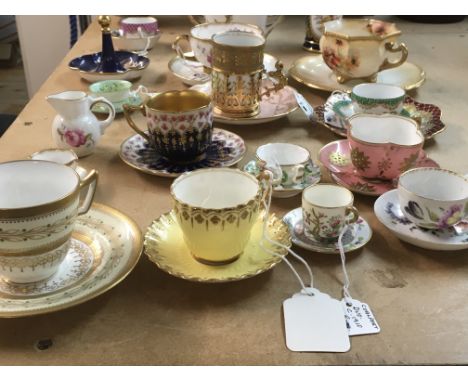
x: 315, y: 323
x: 359, y: 318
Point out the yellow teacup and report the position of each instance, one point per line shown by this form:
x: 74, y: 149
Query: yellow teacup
x: 216, y: 209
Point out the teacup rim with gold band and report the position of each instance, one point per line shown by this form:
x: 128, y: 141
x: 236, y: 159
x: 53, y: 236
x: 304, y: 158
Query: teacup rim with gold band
x: 34, y: 155
x: 348, y: 37
x: 328, y: 184
x: 168, y: 93
x: 288, y: 143
x: 209, y: 39
x: 383, y: 116
x: 39, y: 209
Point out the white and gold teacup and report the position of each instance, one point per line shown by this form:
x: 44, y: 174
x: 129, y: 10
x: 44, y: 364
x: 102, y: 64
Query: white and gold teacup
x: 39, y: 202
x: 216, y: 209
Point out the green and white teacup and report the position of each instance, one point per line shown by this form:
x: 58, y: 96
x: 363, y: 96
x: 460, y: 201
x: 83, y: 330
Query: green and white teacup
x: 375, y: 98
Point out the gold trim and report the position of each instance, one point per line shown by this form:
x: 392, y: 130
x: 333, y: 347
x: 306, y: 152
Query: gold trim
x: 42, y: 250
x: 208, y: 40
x: 216, y: 263
x: 328, y: 184
x: 54, y: 149
x: 23, y: 212
x: 288, y: 164
x: 357, y: 38
x: 179, y: 93
x: 132, y: 260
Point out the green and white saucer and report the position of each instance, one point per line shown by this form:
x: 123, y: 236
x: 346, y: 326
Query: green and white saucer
x: 133, y: 100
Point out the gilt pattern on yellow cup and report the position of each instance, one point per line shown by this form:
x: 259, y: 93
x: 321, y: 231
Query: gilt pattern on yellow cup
x: 216, y: 209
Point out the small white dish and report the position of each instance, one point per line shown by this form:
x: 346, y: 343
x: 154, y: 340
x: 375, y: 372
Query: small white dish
x: 388, y: 212
x: 357, y: 236
x: 190, y: 72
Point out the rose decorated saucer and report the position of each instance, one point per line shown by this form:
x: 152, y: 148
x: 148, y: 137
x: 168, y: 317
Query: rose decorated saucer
x: 165, y: 246
x: 277, y: 105
x: 225, y: 150
x: 357, y: 236
x: 105, y: 246
x: 388, y: 211
x: 312, y: 71
x: 134, y: 100
x: 336, y: 157
x: 311, y: 176
x: 339, y: 106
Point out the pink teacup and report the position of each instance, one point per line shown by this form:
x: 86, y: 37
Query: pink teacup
x: 383, y: 146
x: 139, y: 26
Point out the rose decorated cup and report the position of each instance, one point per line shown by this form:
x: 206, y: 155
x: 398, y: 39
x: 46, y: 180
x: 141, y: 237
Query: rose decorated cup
x: 139, y: 26
x: 200, y: 39
x: 383, y: 146
x: 286, y: 161
x: 433, y: 198
x: 216, y: 209
x: 358, y: 48
x: 179, y: 124
x: 377, y: 98
x: 39, y: 203
x: 326, y: 210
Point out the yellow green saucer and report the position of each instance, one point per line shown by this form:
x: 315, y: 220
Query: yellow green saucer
x: 165, y: 246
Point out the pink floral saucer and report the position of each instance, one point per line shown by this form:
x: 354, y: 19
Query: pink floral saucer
x: 336, y: 158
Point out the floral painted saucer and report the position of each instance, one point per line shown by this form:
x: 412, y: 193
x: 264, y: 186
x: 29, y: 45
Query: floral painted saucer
x: 311, y: 176
x: 339, y: 106
x: 356, y: 237
x: 388, y: 211
x: 225, y: 150
x: 312, y: 71
x: 105, y: 246
x: 277, y: 105
x: 336, y: 158
x: 165, y: 246
x: 133, y: 100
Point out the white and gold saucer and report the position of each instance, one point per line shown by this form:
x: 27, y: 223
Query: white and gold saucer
x: 357, y: 236
x: 312, y: 71
x: 165, y: 246
x: 105, y: 246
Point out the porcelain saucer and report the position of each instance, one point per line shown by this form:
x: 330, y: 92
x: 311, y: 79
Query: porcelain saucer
x: 165, y: 246
x: 311, y: 176
x: 339, y: 106
x: 226, y: 150
x: 190, y: 72
x: 312, y: 71
x: 105, y: 246
x: 357, y: 236
x: 336, y: 158
x: 279, y: 104
x: 133, y: 100
x: 387, y: 209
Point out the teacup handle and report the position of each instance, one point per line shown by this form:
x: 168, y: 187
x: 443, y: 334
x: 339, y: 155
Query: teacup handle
x: 298, y: 173
x: 277, y: 74
x: 90, y: 181
x: 391, y: 47
x: 128, y: 110
x: 176, y: 45
x: 106, y: 103
x: 273, y: 25
x: 354, y: 214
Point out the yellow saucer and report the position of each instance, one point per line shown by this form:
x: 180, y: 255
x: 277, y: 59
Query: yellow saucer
x: 165, y: 246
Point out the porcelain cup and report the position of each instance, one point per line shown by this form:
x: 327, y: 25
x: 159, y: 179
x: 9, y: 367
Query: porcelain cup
x: 114, y: 91
x: 60, y: 156
x: 433, y: 198
x: 286, y: 161
x: 139, y: 26
x: 200, y: 39
x: 39, y: 203
x: 326, y: 210
x: 383, y: 146
x: 266, y: 23
x: 179, y: 124
x: 216, y: 209
x: 359, y: 48
x: 375, y: 98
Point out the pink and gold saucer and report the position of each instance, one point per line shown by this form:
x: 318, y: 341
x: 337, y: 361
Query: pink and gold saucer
x: 336, y: 157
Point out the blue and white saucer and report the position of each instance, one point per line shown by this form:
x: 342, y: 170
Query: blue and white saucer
x: 225, y: 150
x: 357, y: 236
x: 387, y: 209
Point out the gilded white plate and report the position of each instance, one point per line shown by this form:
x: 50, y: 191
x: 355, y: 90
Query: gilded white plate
x: 105, y: 247
x: 165, y: 246
x: 313, y: 72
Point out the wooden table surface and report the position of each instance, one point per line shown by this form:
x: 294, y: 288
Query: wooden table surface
x: 418, y: 296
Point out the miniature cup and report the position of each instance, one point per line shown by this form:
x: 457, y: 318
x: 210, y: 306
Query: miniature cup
x: 326, y: 209
x: 216, y: 209
x: 286, y: 161
x: 358, y: 48
x: 114, y: 90
x: 383, y: 146
x: 433, y: 198
x: 377, y: 98
x: 238, y: 71
x: 139, y: 26
x: 39, y: 202
x: 200, y: 39
x: 180, y: 124
x: 60, y: 156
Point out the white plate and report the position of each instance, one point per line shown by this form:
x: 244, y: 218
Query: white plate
x: 387, y: 209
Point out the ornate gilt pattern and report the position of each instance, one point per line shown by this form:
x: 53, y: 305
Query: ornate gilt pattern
x: 409, y: 162
x: 360, y: 160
